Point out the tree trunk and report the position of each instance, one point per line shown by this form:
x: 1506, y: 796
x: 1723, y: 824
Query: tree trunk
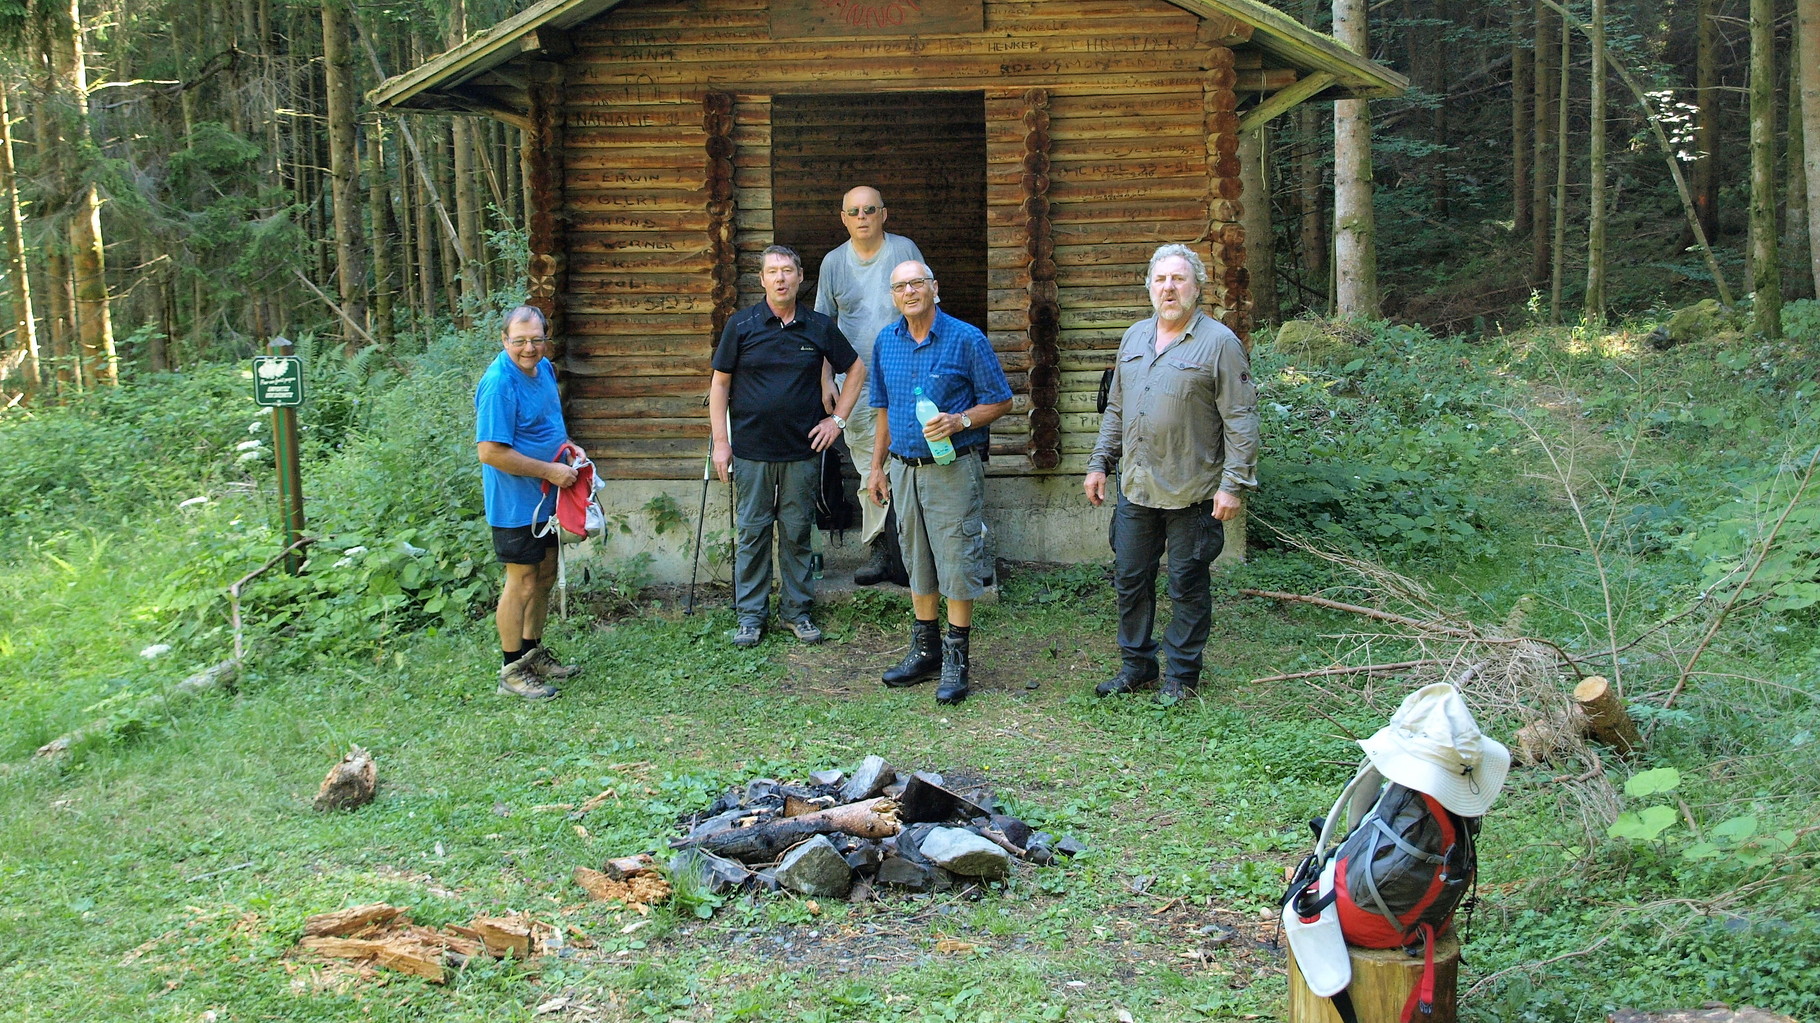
x: 1766, y: 271
x: 88, y: 265
x: 59, y: 322
x: 344, y: 176
x: 1260, y: 240
x: 1706, y: 120
x: 1558, y: 248
x: 1543, y: 164
x: 1808, y: 15
x: 379, y: 199
x: 1593, y: 307
x: 1355, y: 228
x: 453, y: 267
x: 1794, y: 185
x: 1522, y: 99
x: 25, y: 328
x: 1311, y: 191
x: 428, y: 270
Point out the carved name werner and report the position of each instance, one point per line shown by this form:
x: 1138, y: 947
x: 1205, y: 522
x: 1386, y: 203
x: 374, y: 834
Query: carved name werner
x: 797, y: 19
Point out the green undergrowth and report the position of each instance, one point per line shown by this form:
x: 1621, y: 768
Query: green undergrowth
x: 1576, y: 488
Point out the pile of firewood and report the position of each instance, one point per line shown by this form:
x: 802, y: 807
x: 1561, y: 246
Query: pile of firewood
x: 383, y: 935
x: 841, y: 835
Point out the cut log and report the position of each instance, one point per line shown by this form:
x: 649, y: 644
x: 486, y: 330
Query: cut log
x: 353, y: 919
x: 631, y: 866
x: 1606, y: 718
x: 219, y: 677
x: 1381, y: 982
x: 871, y: 818
x: 350, y: 783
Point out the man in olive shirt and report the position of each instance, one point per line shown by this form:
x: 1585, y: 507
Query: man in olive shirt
x: 1181, y: 421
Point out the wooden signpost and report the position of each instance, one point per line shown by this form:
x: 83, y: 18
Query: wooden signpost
x: 278, y: 385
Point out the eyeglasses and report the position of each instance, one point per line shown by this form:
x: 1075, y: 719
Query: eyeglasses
x: 854, y: 211
x: 913, y: 284
x: 520, y: 342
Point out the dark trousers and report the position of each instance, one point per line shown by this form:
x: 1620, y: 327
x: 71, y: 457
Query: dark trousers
x: 1193, y: 538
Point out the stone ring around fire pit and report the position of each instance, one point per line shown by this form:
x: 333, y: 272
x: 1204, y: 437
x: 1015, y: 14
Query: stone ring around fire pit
x: 873, y: 827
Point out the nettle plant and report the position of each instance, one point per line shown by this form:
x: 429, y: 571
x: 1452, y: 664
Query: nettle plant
x: 1741, y: 840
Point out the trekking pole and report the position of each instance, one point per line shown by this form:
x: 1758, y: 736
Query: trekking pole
x: 701, y: 517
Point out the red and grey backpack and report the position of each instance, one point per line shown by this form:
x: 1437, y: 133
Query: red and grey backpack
x: 1404, y: 866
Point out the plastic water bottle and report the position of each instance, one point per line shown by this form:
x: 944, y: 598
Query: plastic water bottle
x: 943, y: 449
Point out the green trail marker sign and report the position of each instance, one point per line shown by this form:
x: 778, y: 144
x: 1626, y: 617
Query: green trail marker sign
x: 278, y: 385
x: 278, y: 380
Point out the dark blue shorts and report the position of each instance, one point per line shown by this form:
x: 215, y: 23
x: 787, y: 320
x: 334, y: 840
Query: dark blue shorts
x: 519, y: 545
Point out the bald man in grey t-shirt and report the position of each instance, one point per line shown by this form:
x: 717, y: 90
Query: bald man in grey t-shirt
x: 854, y: 290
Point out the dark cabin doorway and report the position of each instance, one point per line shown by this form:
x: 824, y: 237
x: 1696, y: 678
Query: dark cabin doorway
x: 926, y: 154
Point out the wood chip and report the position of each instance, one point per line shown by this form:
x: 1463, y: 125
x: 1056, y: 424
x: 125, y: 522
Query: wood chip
x: 354, y: 918
x: 643, y: 889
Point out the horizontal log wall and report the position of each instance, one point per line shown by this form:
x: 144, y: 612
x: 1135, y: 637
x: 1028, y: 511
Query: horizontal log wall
x: 1129, y: 170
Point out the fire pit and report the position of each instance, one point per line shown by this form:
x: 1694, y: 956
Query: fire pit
x: 839, y: 835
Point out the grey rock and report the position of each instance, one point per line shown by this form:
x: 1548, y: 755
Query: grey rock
x: 1039, y: 854
x: 869, y: 778
x: 828, y: 777
x: 815, y: 868
x: 715, y: 873
x: 865, y: 855
x: 965, y: 853
x: 905, y: 873
x: 1014, y: 829
x: 1070, y: 846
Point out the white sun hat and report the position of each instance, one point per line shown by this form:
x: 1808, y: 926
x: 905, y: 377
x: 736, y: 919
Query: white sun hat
x: 1433, y: 745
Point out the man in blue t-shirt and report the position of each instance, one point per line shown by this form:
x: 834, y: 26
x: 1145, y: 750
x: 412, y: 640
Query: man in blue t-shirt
x: 941, y: 508
x: 765, y: 414
x: 518, y: 427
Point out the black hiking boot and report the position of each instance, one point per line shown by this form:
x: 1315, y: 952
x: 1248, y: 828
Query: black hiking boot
x: 923, y: 659
x: 954, y: 668
x: 886, y: 565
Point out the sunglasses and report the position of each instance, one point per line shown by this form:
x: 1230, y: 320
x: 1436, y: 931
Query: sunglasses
x: 854, y: 211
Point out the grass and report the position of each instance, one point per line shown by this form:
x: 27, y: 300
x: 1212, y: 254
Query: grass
x: 163, y: 871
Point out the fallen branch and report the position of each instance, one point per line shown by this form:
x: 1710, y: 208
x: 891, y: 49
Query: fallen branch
x: 234, y: 591
x: 1369, y: 612
x: 1363, y: 669
x: 221, y: 676
x: 871, y: 818
x: 326, y: 300
x: 1525, y: 967
x: 1769, y: 543
x: 1450, y: 631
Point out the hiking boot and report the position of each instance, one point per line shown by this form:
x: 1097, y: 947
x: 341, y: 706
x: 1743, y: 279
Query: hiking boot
x: 1173, y: 691
x: 1128, y: 680
x: 887, y: 562
x: 806, y: 630
x: 954, y: 669
x: 748, y: 633
x: 518, y: 679
x: 922, y: 660
x: 548, y: 665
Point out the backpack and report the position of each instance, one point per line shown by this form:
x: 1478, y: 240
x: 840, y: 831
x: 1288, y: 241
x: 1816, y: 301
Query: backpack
x: 833, y: 512
x: 1394, y: 881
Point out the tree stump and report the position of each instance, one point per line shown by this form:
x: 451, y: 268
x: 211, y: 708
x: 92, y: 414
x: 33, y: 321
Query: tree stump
x: 1382, y: 979
x: 350, y: 783
x: 1606, y: 719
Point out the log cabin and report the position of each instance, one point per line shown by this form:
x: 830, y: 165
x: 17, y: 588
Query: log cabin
x: 1036, y: 150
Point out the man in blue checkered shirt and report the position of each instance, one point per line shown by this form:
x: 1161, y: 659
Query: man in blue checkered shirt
x: 941, y: 506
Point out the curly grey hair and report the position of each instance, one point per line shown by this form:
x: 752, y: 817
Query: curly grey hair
x: 1178, y: 249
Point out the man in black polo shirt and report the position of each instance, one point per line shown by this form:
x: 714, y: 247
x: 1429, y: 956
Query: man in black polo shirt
x: 765, y: 411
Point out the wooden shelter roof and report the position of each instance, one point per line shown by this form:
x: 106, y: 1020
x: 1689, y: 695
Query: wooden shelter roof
x: 465, y: 78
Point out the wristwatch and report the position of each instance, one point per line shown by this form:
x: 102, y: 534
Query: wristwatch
x: 839, y: 423
x: 966, y: 422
